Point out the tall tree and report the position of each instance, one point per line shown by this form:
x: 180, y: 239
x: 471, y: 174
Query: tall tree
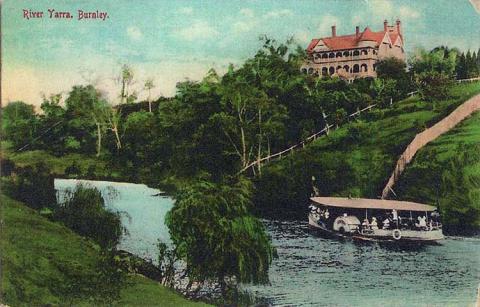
x: 149, y: 86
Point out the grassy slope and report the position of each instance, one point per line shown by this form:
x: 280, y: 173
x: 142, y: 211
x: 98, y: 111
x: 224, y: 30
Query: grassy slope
x: 359, y: 167
x: 46, y: 263
x: 422, y: 178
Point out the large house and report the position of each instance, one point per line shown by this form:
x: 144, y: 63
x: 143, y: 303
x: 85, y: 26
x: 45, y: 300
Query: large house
x: 355, y: 55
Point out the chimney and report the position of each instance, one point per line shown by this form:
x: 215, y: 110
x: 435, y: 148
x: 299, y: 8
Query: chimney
x: 399, y: 26
x: 357, y: 31
x: 334, y: 31
x: 385, y: 25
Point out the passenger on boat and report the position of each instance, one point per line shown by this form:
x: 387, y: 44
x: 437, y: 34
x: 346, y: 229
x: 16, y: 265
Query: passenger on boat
x: 365, y: 224
x: 386, y: 223
x: 374, y: 224
x: 422, y: 223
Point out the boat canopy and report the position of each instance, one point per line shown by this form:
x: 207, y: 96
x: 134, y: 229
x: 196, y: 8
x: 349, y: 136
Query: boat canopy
x: 364, y: 203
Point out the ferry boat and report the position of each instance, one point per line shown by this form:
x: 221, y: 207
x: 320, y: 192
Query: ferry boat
x: 375, y: 219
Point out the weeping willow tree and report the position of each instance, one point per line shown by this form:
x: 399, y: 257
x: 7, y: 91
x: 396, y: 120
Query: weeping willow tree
x: 216, y: 235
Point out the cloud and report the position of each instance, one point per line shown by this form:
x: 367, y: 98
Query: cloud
x: 197, y: 30
x: 243, y: 26
x: 383, y: 8
x: 186, y: 10
x: 408, y: 13
x: 278, y: 13
x: 247, y: 12
x: 302, y: 37
x: 327, y: 21
x: 134, y: 33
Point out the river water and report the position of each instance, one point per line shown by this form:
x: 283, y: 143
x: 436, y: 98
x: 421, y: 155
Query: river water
x: 314, y: 271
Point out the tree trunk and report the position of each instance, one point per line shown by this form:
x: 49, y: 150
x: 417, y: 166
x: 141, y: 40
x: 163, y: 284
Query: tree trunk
x: 259, y: 154
x: 149, y: 102
x: 117, y: 137
x: 244, y: 148
x: 99, y: 139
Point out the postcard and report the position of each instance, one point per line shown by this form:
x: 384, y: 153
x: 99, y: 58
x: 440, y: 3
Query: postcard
x: 240, y: 153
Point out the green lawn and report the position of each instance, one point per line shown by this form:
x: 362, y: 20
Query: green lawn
x: 46, y: 263
x: 357, y: 159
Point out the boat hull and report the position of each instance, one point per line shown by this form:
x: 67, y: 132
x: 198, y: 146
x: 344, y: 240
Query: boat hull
x: 390, y: 235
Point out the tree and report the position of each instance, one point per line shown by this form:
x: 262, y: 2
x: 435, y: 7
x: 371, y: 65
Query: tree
x: 19, y: 123
x: 216, y: 235
x: 87, y: 112
x: 461, y: 68
x: 84, y: 212
x: 149, y: 86
x: 433, y: 72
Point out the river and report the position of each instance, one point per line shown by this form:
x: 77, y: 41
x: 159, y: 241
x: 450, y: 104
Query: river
x: 313, y: 271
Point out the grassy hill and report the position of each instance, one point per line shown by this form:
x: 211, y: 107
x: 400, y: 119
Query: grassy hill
x: 446, y: 172
x: 356, y: 159
x: 45, y: 263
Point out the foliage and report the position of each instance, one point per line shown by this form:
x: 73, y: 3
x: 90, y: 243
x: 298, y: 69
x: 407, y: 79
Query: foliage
x: 216, y: 235
x: 19, y: 123
x: 433, y: 85
x: 84, y: 212
x: 33, y: 185
x: 433, y: 72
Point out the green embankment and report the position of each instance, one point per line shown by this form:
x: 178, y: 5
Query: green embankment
x: 46, y: 263
x: 357, y: 159
x: 454, y: 157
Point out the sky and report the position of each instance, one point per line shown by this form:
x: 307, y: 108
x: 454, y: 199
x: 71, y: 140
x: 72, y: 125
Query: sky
x: 170, y: 41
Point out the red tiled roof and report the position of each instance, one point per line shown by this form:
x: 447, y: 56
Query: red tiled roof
x: 352, y: 40
x: 312, y: 44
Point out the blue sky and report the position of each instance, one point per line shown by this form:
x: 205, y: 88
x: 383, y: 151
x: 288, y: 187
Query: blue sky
x: 173, y: 40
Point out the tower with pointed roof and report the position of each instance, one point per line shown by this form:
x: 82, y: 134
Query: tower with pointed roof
x: 355, y: 55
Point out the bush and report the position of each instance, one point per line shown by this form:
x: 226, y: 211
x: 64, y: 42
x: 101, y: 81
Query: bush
x: 6, y: 167
x: 85, y: 213
x: 358, y: 132
x: 433, y: 85
x: 73, y: 170
x: 32, y: 185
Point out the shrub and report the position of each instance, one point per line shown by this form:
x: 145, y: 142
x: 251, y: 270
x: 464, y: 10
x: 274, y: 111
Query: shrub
x: 32, y: 185
x: 433, y: 85
x: 72, y: 170
x: 85, y: 213
x: 6, y: 167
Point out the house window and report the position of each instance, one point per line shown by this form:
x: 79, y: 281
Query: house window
x: 346, y: 53
x: 324, y: 71
x: 347, y: 68
x: 310, y: 70
x: 364, y: 52
x: 332, y: 70
x: 331, y: 55
x: 356, y: 52
x: 364, y: 68
x: 356, y: 68
x: 324, y: 56
x: 338, y: 55
x: 304, y: 70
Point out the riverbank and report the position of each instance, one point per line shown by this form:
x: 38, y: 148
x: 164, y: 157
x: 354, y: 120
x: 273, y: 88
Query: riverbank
x: 44, y: 262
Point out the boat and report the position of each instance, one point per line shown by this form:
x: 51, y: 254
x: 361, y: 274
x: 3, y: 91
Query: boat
x: 375, y: 219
